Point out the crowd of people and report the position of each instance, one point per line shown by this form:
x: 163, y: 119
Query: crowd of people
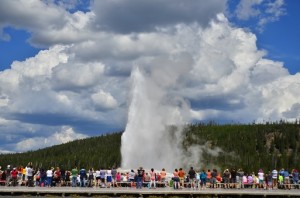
x: 140, y: 178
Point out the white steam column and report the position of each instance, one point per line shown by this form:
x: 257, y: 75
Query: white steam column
x: 149, y: 140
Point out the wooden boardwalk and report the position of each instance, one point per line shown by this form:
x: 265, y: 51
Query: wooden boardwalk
x: 145, y: 192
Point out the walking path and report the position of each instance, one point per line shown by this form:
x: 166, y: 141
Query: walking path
x: 145, y: 192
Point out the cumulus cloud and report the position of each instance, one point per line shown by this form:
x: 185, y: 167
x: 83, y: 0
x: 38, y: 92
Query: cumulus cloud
x: 66, y: 134
x: 48, y: 22
x: 142, y: 16
x: 104, y: 100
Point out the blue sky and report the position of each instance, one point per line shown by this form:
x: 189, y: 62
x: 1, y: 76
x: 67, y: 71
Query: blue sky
x: 65, y: 66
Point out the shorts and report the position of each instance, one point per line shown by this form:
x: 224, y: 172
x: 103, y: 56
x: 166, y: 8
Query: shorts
x: 109, y: 179
x: 175, y: 179
x: 203, y: 181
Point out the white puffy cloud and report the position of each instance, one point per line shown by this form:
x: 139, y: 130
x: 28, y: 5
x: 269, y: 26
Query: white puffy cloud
x: 143, y: 16
x: 66, y: 134
x: 104, y: 100
x: 49, y: 23
x: 81, y: 75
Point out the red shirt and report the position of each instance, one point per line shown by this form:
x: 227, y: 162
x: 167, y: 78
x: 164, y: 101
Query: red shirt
x: 14, y: 173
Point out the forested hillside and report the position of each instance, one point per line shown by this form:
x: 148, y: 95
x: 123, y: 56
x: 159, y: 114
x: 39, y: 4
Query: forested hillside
x: 250, y: 146
x: 91, y: 152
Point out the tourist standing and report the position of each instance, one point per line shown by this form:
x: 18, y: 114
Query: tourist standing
x: 152, y: 178
x: 181, y: 175
x: 192, y: 177
x: 240, y: 174
x: 274, y: 178
x: 49, y: 177
x: 163, y: 175
x: 295, y: 175
x: 74, y: 173
x: 140, y: 175
x: 82, y: 174
x: 261, y: 178
x: 176, y: 179
x: 131, y: 177
x: 226, y: 177
x: 203, y: 179
x: 14, y: 176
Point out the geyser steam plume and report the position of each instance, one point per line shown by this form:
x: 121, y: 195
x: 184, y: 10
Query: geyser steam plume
x: 152, y: 137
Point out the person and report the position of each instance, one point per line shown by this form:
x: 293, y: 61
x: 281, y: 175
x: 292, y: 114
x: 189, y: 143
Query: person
x: 43, y: 177
x: 62, y: 176
x: 233, y: 177
x: 240, y: 174
x: 97, y: 175
x: 245, y: 180
x: 176, y: 179
x: 14, y: 176
x: 181, y: 175
x: 30, y: 176
x: 261, y: 177
x: 49, y: 174
x: 152, y: 178
x: 295, y: 175
x: 203, y: 179
x: 131, y: 177
x: 269, y: 178
x: 113, y: 173
x: 214, y: 174
x: 250, y: 181
x: 23, y: 171
x: 57, y: 176
x: 74, y: 172
x: 192, y: 176
x: 118, y: 179
x: 83, y: 176
x: 140, y: 175
x: 8, y: 176
x: 102, y: 177
x: 163, y: 175
x: 109, y: 177
x: 226, y: 177
x: 274, y: 178
x: 38, y: 178
x: 91, y: 177
x: 197, y: 179
x: 68, y: 179
x: 147, y: 180
x: 280, y: 181
x: 3, y: 176
x: 208, y: 177
x: 286, y: 177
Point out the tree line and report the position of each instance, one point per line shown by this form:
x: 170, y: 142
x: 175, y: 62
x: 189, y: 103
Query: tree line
x: 248, y: 146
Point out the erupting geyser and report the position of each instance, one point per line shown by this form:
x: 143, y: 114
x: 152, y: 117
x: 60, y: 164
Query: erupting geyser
x: 152, y: 137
